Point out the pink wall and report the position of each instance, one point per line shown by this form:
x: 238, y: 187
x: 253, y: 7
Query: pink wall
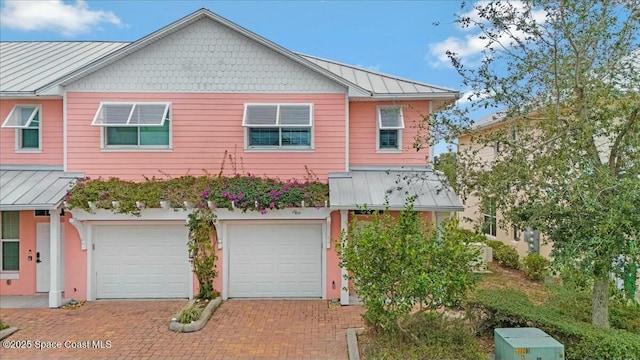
x: 75, y: 263
x: 51, y: 127
x: 204, y: 127
x: 26, y: 285
x: 362, y: 134
x: 75, y: 270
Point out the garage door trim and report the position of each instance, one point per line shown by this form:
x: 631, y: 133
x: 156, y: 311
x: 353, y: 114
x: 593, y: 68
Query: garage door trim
x: 226, y: 256
x: 91, y: 237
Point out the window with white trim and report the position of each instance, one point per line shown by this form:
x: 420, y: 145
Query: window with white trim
x: 489, y: 217
x: 134, y: 125
x: 26, y: 120
x: 390, y: 125
x: 278, y: 126
x: 10, y: 246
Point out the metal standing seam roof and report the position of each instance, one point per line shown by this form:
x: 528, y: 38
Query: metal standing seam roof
x: 29, y: 188
x: 380, y: 189
x: 379, y: 83
x: 28, y: 66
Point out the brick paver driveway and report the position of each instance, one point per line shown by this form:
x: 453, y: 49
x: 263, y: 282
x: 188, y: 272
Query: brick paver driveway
x: 239, y: 329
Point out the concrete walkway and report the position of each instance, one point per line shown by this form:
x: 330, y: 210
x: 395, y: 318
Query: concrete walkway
x: 26, y: 302
x: 241, y: 329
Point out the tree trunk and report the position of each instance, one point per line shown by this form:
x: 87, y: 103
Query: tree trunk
x: 600, y: 310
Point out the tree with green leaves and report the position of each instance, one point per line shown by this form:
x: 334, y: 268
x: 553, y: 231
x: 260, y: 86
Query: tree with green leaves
x: 565, y: 76
x: 398, y: 264
x: 446, y: 163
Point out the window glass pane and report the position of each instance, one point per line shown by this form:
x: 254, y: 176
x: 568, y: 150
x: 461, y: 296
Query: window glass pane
x: 388, y: 139
x: 122, y: 136
x: 30, y: 138
x: 264, y: 137
x: 489, y: 225
x: 155, y: 135
x: 25, y: 113
x: 10, y: 224
x: 10, y: 256
x: 296, y: 137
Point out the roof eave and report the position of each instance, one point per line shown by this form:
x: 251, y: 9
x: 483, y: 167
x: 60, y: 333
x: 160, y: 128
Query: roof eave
x: 30, y: 207
x: 410, y: 96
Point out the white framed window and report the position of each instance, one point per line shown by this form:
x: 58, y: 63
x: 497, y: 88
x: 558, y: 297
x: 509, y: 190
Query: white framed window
x: 134, y: 125
x: 26, y: 120
x: 489, y: 217
x: 10, y: 241
x: 278, y: 126
x: 390, y: 124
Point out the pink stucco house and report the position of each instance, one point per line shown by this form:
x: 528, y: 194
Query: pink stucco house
x: 203, y: 86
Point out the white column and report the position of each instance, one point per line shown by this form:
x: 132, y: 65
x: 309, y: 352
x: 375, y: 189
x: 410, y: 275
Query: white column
x: 55, y: 289
x: 344, y: 286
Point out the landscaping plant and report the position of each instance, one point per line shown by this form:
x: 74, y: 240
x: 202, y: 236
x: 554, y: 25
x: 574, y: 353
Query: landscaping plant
x: 398, y: 265
x: 565, y: 77
x: 189, y: 314
x: 535, y: 267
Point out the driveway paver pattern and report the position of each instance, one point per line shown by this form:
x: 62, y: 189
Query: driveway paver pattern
x: 239, y: 329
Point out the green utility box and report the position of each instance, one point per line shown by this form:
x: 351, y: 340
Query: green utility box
x: 526, y: 344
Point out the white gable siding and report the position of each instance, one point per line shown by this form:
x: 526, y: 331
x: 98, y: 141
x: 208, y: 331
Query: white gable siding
x: 206, y: 57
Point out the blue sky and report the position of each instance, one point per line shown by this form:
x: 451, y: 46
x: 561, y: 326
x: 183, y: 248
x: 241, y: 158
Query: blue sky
x: 394, y: 37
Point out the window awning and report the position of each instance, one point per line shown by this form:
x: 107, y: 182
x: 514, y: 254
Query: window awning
x: 31, y: 187
x: 131, y: 114
x: 379, y: 188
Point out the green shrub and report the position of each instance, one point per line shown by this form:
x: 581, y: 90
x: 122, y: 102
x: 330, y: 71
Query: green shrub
x: 398, y: 263
x: 535, y: 267
x: 495, y: 244
x: 575, y: 302
x: 436, y: 337
x: 189, y: 313
x: 3, y: 325
x: 492, y: 308
x: 507, y: 256
x: 504, y: 255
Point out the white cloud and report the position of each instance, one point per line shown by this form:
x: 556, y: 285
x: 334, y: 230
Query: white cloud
x: 471, y: 96
x: 54, y: 15
x: 469, y: 48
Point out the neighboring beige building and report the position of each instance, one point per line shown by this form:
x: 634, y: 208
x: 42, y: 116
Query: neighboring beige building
x: 485, y: 217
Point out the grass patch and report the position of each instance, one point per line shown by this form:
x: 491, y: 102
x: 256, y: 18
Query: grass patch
x: 436, y: 337
x: 3, y: 325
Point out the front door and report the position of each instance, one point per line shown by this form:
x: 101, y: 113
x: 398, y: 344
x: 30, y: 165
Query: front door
x: 43, y: 250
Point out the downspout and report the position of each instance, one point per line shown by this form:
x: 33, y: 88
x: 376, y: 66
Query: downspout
x: 64, y: 131
x: 346, y: 131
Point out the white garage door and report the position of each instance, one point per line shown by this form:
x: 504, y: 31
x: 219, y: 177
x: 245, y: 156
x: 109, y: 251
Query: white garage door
x: 275, y: 260
x: 141, y: 261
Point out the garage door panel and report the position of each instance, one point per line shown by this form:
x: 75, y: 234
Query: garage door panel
x: 141, y: 261
x: 275, y: 260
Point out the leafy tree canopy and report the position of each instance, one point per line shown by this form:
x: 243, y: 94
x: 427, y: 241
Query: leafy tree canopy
x: 565, y: 75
